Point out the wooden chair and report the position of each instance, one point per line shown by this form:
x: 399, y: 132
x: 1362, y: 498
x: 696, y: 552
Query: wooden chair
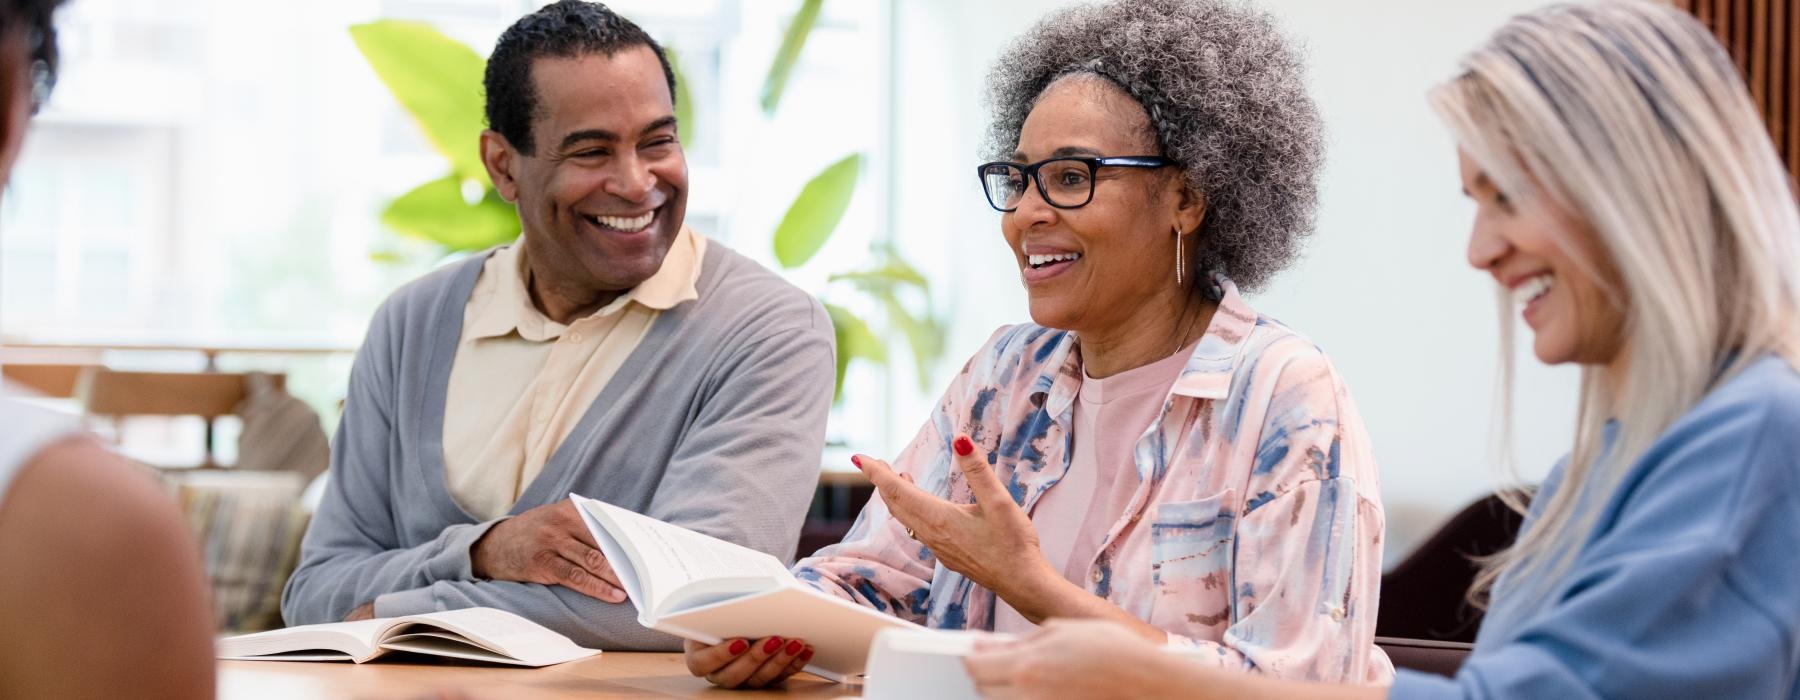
x: 116, y: 395
x: 109, y: 392
x: 1441, y: 658
x: 1424, y: 596
x: 837, y: 501
x: 56, y: 381
x: 1425, y: 622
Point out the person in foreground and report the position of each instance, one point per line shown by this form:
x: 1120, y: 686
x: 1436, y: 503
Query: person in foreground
x: 101, y: 589
x: 1632, y: 208
x: 611, y: 351
x: 1151, y: 450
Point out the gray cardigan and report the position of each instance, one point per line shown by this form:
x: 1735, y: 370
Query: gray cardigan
x: 715, y: 422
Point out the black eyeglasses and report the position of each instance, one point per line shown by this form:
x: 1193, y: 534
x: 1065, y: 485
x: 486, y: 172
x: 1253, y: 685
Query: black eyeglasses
x: 1065, y: 183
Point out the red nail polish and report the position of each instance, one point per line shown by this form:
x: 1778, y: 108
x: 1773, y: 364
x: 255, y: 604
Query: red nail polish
x: 739, y: 647
x: 770, y: 646
x: 794, y: 647
x: 806, y: 656
x: 856, y: 460
x: 964, y: 445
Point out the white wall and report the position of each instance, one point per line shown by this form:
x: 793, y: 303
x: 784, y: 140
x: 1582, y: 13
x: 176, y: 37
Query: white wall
x: 1383, y: 288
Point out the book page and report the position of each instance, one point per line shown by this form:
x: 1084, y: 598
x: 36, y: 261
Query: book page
x: 351, y: 641
x: 840, y: 632
x: 667, y: 557
x: 495, y: 630
x: 449, y: 645
x: 617, y: 556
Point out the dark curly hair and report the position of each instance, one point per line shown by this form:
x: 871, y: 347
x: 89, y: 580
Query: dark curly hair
x: 563, y: 29
x: 34, y: 18
x: 1226, y: 95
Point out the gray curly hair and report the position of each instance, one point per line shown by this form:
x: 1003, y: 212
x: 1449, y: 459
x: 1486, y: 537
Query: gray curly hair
x: 1226, y: 94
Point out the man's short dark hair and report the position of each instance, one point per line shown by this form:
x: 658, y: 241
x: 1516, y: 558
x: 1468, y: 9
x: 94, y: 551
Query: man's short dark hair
x: 34, y: 17
x: 563, y: 29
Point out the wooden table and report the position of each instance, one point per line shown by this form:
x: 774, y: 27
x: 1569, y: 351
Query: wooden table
x: 614, y: 674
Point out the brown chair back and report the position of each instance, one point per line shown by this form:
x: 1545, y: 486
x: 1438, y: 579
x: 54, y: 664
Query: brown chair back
x: 1425, y: 596
x: 115, y: 393
x: 1441, y: 658
x: 56, y: 381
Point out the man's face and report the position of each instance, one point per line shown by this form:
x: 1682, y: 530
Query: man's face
x: 605, y: 191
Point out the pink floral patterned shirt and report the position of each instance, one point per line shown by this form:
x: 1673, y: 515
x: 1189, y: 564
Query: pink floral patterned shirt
x: 1255, y: 529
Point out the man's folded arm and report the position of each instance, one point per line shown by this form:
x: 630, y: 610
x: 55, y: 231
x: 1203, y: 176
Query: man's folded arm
x: 352, y: 552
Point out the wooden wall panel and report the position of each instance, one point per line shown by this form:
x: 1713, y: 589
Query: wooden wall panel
x: 1763, y: 38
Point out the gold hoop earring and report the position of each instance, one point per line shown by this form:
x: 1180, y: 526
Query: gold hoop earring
x: 1178, y: 257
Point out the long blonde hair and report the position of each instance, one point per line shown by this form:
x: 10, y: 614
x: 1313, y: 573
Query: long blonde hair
x: 1630, y: 115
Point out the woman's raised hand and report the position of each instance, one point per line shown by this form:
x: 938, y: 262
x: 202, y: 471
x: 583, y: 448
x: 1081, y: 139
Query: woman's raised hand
x: 991, y: 541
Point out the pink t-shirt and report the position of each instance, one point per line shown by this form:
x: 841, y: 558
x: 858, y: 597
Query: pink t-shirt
x: 1073, y: 517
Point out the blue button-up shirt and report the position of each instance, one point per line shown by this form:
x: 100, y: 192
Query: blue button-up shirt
x: 1689, y: 586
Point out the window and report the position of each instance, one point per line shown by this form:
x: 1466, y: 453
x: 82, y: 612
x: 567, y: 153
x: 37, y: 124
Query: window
x: 212, y: 172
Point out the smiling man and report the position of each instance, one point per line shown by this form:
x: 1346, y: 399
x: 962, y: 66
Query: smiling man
x: 611, y: 351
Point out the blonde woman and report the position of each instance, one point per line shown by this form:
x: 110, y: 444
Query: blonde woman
x: 1631, y: 207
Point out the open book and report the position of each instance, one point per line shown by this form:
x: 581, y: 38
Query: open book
x: 478, y: 634
x: 709, y: 590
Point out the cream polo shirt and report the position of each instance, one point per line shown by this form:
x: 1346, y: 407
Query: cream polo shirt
x: 521, y: 381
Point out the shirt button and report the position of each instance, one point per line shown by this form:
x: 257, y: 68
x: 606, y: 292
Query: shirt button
x: 1097, y: 575
x: 1337, y: 614
x: 574, y: 337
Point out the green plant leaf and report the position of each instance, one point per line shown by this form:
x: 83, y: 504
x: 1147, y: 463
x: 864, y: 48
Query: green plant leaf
x: 812, y: 217
x: 437, y: 212
x: 684, y: 102
x: 438, y: 80
x: 903, y: 270
x: 789, y: 54
x: 854, y: 341
x: 925, y: 334
x: 387, y: 257
x: 924, y: 337
x: 895, y: 272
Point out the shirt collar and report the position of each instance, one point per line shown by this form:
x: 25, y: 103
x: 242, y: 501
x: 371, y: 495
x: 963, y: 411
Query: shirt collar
x: 510, y: 309
x: 678, y: 279
x: 1216, y: 357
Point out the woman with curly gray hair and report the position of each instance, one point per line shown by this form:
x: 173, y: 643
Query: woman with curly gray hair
x: 1150, y: 451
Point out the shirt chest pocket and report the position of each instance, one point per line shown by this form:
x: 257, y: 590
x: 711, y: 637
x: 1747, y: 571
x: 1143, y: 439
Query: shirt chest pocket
x: 1190, y: 543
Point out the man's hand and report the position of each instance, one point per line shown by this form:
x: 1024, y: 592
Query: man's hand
x: 366, y: 611
x: 549, y: 545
